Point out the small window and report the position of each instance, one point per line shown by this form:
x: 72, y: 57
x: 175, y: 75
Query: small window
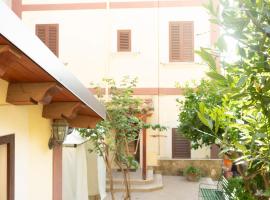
x: 181, y: 147
x: 124, y: 40
x: 181, y: 41
x: 49, y: 35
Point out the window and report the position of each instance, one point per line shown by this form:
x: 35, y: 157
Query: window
x: 181, y: 41
x: 49, y: 34
x: 124, y: 40
x: 181, y: 147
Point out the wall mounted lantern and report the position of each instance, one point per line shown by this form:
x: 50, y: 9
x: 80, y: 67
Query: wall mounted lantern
x: 60, y: 129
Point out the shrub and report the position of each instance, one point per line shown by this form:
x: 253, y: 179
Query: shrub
x: 192, y: 170
x: 236, y: 186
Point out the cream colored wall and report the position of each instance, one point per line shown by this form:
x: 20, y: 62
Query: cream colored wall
x: 3, y: 171
x: 80, y: 39
x: 166, y: 115
x: 59, y: 1
x: 88, y: 46
x: 33, y: 159
x: 8, y: 2
x: 202, y: 153
x: 40, y: 159
x: 92, y: 171
x: 74, y: 1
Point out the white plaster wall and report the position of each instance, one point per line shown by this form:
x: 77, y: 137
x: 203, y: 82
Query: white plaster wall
x: 166, y: 115
x: 73, y: 1
x: 8, y: 2
x: 82, y: 40
x: 202, y: 153
x: 88, y: 42
x: 59, y: 1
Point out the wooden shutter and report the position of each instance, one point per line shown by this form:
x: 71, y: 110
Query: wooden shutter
x: 181, y: 147
x: 181, y: 41
x: 49, y: 34
x: 124, y: 40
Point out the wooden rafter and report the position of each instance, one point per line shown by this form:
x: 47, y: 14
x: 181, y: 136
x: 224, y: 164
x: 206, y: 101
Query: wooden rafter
x: 9, y: 49
x: 6, y: 50
x: 32, y: 93
x: 84, y: 121
x: 59, y: 110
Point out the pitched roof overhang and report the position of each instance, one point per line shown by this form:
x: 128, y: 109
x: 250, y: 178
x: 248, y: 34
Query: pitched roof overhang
x: 36, y: 75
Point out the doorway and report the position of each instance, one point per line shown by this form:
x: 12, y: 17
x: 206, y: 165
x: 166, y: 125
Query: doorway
x: 134, y: 148
x: 7, y: 165
x: 215, y: 151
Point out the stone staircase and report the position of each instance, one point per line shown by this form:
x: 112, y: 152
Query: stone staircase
x: 153, y: 181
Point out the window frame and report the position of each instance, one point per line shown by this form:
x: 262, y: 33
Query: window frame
x: 47, y: 39
x: 181, y: 59
x: 129, y: 40
x: 174, y: 131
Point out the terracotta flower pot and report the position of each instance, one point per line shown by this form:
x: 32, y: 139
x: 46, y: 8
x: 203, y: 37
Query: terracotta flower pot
x: 193, y: 177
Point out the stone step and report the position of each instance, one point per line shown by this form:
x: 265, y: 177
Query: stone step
x: 135, y: 178
x: 156, y: 184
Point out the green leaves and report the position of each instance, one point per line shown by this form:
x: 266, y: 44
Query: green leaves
x: 217, y: 77
x: 208, y: 58
x: 205, y: 120
x: 234, y: 109
x: 125, y: 112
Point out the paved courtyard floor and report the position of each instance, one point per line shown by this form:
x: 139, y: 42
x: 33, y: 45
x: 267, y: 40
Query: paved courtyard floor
x: 175, y: 188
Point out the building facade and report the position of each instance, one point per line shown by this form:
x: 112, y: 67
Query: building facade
x: 38, y: 105
x: 152, y: 40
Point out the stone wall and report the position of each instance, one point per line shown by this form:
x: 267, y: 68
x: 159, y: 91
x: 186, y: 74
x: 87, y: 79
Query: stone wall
x: 210, y: 167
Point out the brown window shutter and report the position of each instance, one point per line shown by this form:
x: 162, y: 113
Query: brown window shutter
x: 53, y: 35
x: 175, y: 42
x: 124, y: 40
x: 181, y: 41
x: 41, y: 32
x: 181, y: 147
x: 187, y: 41
x: 49, y: 34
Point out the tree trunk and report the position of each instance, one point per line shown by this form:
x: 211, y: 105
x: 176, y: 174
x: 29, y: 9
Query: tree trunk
x: 266, y: 180
x: 109, y: 171
x: 126, y: 180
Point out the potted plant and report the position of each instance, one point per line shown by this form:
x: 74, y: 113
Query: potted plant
x: 192, y: 173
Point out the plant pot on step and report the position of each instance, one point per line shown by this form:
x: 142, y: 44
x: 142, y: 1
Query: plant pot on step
x: 193, y: 177
x: 192, y: 174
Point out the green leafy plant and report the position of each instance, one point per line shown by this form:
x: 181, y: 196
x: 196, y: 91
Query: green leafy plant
x: 126, y: 116
x: 242, y: 119
x: 237, y: 188
x: 190, y: 124
x: 192, y: 173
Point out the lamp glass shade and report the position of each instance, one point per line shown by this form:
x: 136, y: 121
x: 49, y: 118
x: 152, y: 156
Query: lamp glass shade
x: 60, y: 129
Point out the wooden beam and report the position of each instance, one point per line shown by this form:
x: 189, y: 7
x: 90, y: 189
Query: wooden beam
x: 32, y: 93
x: 57, y: 172
x: 84, y: 121
x: 11, y: 50
x: 59, y: 110
x: 7, y: 51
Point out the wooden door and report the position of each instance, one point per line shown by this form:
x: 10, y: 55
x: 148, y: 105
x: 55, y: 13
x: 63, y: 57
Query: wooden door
x: 214, y: 151
x: 7, y: 164
x: 181, y: 147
